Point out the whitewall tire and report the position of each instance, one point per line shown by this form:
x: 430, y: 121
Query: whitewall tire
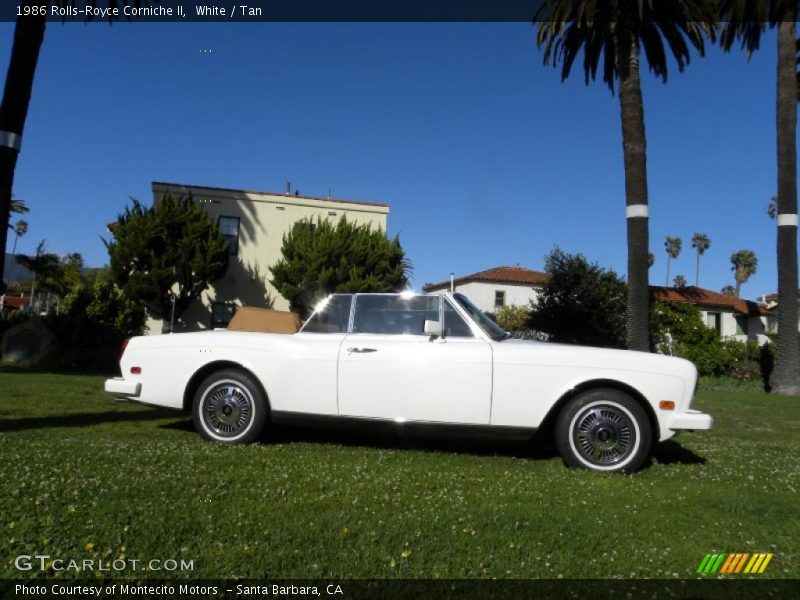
x: 604, y: 429
x: 229, y: 407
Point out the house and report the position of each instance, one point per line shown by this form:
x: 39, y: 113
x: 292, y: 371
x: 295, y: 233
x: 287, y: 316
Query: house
x: 9, y: 303
x: 493, y: 288
x: 771, y: 302
x: 254, y: 224
x: 732, y: 317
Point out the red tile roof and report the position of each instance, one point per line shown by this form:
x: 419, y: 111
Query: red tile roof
x: 707, y: 299
x: 510, y: 275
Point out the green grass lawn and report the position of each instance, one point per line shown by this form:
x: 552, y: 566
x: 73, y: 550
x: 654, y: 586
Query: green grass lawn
x: 84, y: 477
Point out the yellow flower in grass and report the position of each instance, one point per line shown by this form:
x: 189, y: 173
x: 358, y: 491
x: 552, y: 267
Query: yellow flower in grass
x: 406, y: 553
x: 88, y: 546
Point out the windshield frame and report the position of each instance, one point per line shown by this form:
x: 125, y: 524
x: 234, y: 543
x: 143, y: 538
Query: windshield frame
x: 489, y: 327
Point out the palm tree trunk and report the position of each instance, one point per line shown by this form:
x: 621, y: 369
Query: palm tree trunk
x: 28, y: 36
x: 13, y: 253
x: 697, y: 272
x: 668, y: 259
x: 635, y: 160
x: 786, y: 375
x: 33, y: 290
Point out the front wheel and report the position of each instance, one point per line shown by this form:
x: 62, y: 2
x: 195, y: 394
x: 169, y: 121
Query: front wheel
x: 229, y: 407
x: 604, y: 430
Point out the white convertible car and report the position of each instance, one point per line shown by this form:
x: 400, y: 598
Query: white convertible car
x: 413, y: 359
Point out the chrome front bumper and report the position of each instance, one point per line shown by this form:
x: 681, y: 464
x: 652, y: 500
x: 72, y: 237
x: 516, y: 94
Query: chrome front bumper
x: 691, y: 419
x: 123, y: 388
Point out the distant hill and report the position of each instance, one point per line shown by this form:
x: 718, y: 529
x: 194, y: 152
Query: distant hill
x: 16, y: 272
x: 13, y: 271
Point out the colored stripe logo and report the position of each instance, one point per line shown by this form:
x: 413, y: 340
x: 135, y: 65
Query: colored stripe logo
x: 735, y: 563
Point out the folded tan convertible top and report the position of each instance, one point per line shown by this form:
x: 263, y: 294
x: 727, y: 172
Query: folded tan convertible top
x: 249, y: 318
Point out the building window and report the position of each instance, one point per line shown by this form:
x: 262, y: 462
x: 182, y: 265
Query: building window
x: 741, y: 325
x: 499, y: 298
x: 221, y: 313
x: 229, y: 228
x: 714, y: 321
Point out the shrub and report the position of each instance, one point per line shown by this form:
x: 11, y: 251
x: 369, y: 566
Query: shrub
x: 678, y: 329
x: 581, y: 302
x: 10, y: 319
x: 90, y: 328
x: 512, y: 318
x: 321, y: 258
x: 767, y: 363
x: 168, y: 253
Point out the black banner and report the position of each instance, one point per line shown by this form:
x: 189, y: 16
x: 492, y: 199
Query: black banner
x: 249, y: 11
x: 416, y: 589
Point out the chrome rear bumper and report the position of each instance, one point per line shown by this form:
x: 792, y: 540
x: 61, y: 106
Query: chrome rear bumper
x: 121, y: 387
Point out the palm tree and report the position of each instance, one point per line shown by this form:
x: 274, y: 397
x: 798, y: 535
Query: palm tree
x: 45, y: 267
x: 772, y: 208
x: 615, y: 31
x: 28, y: 36
x: 745, y: 264
x: 673, y: 246
x: 700, y: 242
x: 745, y: 21
x: 728, y: 290
x: 20, y: 229
x: 679, y: 281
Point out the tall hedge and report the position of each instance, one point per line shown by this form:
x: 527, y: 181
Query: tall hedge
x: 320, y: 258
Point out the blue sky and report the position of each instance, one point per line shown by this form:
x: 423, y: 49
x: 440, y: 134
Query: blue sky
x: 485, y: 157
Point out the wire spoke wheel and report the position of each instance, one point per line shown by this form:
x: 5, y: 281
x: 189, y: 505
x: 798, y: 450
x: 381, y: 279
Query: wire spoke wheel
x: 227, y: 409
x: 230, y: 406
x: 604, y: 429
x: 603, y: 435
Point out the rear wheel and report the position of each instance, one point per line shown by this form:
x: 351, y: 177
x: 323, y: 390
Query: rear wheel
x: 605, y: 430
x: 229, y: 407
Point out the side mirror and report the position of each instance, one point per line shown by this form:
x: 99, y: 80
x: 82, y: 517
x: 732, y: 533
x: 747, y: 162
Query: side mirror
x: 432, y: 328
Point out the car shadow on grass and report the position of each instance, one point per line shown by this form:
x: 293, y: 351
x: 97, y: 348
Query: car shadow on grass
x: 540, y: 447
x: 82, y: 419
x: 671, y: 452
x: 393, y: 438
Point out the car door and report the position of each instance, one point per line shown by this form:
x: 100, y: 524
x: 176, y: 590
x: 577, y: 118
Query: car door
x: 307, y: 380
x: 389, y: 369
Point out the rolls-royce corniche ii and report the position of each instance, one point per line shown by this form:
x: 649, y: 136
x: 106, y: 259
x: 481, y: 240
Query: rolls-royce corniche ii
x: 433, y: 360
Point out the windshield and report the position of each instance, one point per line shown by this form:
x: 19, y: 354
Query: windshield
x: 492, y: 329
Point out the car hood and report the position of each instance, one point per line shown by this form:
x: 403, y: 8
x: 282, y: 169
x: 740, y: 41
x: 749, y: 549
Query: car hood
x: 514, y: 351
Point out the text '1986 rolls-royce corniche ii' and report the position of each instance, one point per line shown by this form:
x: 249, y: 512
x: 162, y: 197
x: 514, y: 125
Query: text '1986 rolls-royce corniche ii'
x: 433, y: 360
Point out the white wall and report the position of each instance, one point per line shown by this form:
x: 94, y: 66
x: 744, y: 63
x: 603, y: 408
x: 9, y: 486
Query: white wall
x: 481, y: 294
x: 756, y: 326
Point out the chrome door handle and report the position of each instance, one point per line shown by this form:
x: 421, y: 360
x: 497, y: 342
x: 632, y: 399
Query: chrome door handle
x: 362, y: 350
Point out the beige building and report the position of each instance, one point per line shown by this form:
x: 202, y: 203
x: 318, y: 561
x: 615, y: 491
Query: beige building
x: 254, y: 223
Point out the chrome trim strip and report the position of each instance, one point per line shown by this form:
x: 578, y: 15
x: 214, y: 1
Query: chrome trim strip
x: 296, y: 418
